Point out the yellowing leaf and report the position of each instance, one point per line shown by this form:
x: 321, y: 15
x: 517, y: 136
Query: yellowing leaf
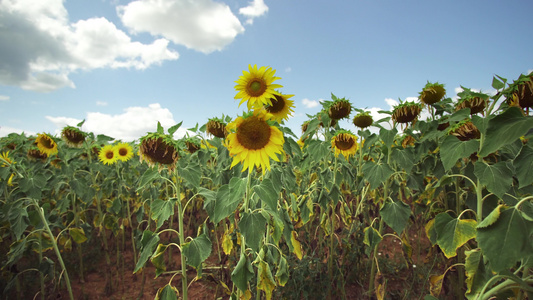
x: 227, y: 243
x: 78, y: 235
x: 265, y: 281
x: 296, y: 244
x: 435, y: 284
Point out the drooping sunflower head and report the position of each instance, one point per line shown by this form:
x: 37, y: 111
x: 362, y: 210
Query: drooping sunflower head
x: 216, y: 127
x: 280, y: 107
x: 345, y: 143
x: 338, y: 108
x: 406, y: 112
x: 36, y: 154
x: 256, y: 86
x: 192, y: 144
x: 363, y: 120
x: 408, y: 140
x: 520, y: 92
x: 473, y: 100
x: 465, y: 130
x: 253, y: 140
x: 124, y: 151
x: 432, y: 93
x: 156, y: 148
x: 108, y: 154
x: 73, y: 136
x: 46, y: 144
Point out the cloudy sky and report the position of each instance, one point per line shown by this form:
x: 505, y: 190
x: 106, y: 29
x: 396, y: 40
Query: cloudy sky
x: 124, y: 65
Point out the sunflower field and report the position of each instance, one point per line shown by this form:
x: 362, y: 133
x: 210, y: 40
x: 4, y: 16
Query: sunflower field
x: 242, y: 207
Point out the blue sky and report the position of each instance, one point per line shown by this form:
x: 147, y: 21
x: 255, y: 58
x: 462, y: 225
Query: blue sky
x: 124, y: 65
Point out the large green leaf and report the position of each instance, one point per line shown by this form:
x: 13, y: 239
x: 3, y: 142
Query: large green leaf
x: 376, y: 174
x: 452, y: 233
x: 148, y: 177
x: 18, y: 219
x: 252, y: 227
x: 505, y: 129
x: 497, y: 177
x: 192, y: 173
x: 477, y: 273
x: 167, y: 292
x: 268, y: 193
x: 162, y: 210
x: 228, y: 198
x: 452, y: 149
x: 242, y: 273
x: 148, y: 243
x: 506, y: 240
x: 404, y: 157
x: 396, y: 214
x: 523, y: 164
x: 388, y: 136
x: 197, y: 250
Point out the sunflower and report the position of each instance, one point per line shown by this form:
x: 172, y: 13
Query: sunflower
x: 216, y: 127
x: 157, y: 148
x: 280, y: 107
x: 35, y: 153
x: 73, y: 136
x: 46, y: 144
x: 108, y: 154
x: 253, y: 141
x: 339, y: 108
x: 124, y: 151
x: 363, y: 120
x: 432, y: 93
x: 465, y: 130
x: 192, y: 144
x: 520, y: 93
x: 470, y: 99
x: 5, y: 160
x: 345, y: 143
x: 406, y: 112
x: 256, y: 86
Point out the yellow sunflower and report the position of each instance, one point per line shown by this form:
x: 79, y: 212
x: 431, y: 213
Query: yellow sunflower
x: 253, y: 141
x: 46, y: 144
x: 5, y: 160
x: 280, y: 107
x: 108, y: 155
x: 124, y: 151
x: 345, y: 143
x: 256, y: 86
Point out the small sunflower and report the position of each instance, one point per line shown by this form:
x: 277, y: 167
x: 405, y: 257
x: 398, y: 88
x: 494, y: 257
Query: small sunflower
x: 73, y: 136
x: 46, y: 144
x: 408, y: 140
x: 256, y: 86
x: 157, y: 148
x: 339, y: 108
x: 345, y: 143
x: 280, y: 107
x: 216, y: 127
x: 108, y: 155
x: 192, y: 144
x: 5, y: 160
x: 465, y: 130
x: 35, y: 153
x: 432, y: 93
x: 253, y: 141
x: 124, y: 151
x: 363, y: 120
x: 305, y: 125
x: 406, y: 112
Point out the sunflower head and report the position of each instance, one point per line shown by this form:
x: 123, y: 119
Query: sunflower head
x: 345, y: 143
x: 304, y: 126
x: 408, y: 140
x: 56, y: 163
x: 216, y: 127
x: 253, y: 140
x: 432, y: 93
x: 280, y: 107
x: 192, y: 144
x: 363, y: 120
x: 46, y: 144
x: 465, y: 130
x: 338, y: 108
x: 520, y: 92
x: 256, y: 86
x: 406, y: 112
x: 124, y: 151
x: 473, y: 100
x: 157, y: 148
x: 108, y: 154
x: 36, y: 154
x: 73, y: 136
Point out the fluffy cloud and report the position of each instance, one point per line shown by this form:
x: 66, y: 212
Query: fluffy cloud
x: 4, y: 98
x: 202, y: 25
x: 255, y: 9
x: 310, y: 103
x: 134, y: 123
x: 40, y: 48
x: 5, y: 131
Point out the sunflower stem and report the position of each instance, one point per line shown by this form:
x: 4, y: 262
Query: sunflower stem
x: 181, y: 237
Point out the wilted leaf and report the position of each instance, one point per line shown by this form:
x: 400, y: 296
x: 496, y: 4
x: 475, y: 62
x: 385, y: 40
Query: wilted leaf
x: 78, y: 235
x: 282, y: 275
x: 265, y: 281
x: 158, y: 259
x: 167, y: 292
x: 477, y: 274
x: 242, y: 273
x: 452, y: 233
x: 296, y: 245
x: 148, y: 243
x: 372, y: 238
x: 435, y: 284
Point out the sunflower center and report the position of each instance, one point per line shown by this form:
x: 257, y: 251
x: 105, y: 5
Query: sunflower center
x: 253, y: 133
x: 277, y: 104
x: 344, y: 143
x: 47, y: 143
x: 123, y: 151
x: 109, y: 155
x: 256, y: 87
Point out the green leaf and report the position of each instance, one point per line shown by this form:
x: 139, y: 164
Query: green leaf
x: 265, y: 281
x: 404, y: 157
x: 505, y: 129
x: 252, y: 227
x: 158, y: 259
x: 148, y: 243
x: 453, y: 149
x: 282, y: 275
x: 167, y: 292
x: 162, y: 210
x: 18, y: 220
x: 148, y: 177
x: 80, y: 123
x: 242, y: 273
x: 506, y: 240
x: 497, y: 84
x: 160, y: 128
x: 197, y: 250
x: 497, y: 177
x: 396, y: 214
x: 228, y: 198
x: 78, y: 235
x: 388, y: 136
x: 523, y: 164
x: 192, y: 173
x: 16, y: 250
x: 477, y: 273
x: 268, y: 193
x: 175, y: 128
x: 452, y: 233
x: 372, y: 238
x: 46, y: 267
x: 376, y: 174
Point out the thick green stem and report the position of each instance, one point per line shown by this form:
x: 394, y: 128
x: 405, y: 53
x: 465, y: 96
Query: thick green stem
x: 54, y: 245
x: 182, y: 238
x: 41, y: 276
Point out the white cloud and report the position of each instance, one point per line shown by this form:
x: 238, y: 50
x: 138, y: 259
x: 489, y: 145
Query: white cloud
x: 4, y: 98
x: 5, y: 131
x: 101, y: 103
x: 40, y: 47
x: 202, y: 25
x: 255, y: 9
x: 310, y: 103
x: 134, y: 123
